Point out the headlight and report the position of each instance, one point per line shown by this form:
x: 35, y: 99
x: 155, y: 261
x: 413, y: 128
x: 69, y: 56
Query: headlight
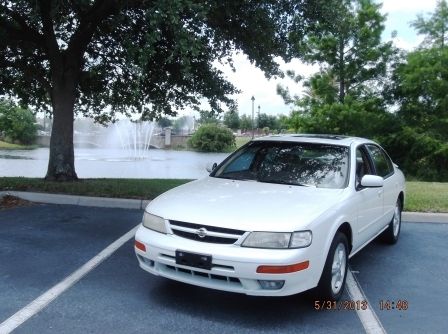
x: 154, y: 223
x: 278, y: 240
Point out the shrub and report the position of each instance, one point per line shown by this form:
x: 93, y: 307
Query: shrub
x: 17, y: 124
x: 419, y: 154
x: 212, y: 138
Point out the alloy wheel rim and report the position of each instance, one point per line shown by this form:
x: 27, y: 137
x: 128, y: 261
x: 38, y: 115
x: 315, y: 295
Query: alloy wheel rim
x: 396, y: 221
x: 338, y: 268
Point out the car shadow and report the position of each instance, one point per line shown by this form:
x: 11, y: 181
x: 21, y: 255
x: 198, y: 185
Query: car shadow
x: 244, y: 311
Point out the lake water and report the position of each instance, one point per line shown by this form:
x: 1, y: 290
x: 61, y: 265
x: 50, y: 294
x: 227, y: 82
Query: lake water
x: 113, y: 163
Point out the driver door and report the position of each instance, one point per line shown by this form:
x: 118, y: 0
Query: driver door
x: 369, y: 200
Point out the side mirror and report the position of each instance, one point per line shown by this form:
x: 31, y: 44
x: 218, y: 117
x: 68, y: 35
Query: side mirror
x: 211, y: 166
x: 372, y: 181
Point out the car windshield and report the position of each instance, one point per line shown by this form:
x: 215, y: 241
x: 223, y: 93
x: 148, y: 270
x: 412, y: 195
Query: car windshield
x: 292, y: 163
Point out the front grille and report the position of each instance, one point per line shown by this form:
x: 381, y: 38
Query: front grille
x: 209, y: 228
x: 212, y: 277
x: 216, y: 235
x: 213, y: 240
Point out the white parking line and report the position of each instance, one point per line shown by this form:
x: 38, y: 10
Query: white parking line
x: 369, y: 319
x: 47, y: 297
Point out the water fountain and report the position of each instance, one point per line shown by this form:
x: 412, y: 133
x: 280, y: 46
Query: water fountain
x: 135, y: 137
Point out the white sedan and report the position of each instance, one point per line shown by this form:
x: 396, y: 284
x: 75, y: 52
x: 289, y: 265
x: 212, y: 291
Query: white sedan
x: 279, y: 216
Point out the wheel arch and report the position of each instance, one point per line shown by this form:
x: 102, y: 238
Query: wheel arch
x: 401, y: 198
x: 346, y: 229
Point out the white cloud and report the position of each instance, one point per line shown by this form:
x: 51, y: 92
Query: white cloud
x: 251, y: 82
x: 406, y: 44
x: 415, y: 6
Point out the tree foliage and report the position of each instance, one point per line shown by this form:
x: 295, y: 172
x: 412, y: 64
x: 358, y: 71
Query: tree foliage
x: 148, y: 57
x: 231, y: 119
x: 245, y: 123
x: 164, y: 122
x: 348, y: 48
x: 208, y: 117
x: 434, y: 28
x: 212, y: 138
x: 104, y: 57
x: 346, y: 95
x: 366, y: 118
x: 365, y: 87
x: 418, y: 153
x: 267, y: 121
x: 183, y: 125
x: 17, y: 124
x: 421, y: 93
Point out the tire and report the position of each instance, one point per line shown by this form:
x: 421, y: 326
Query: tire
x: 332, y: 282
x: 392, y: 233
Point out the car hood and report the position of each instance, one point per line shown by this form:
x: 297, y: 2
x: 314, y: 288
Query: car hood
x: 245, y: 205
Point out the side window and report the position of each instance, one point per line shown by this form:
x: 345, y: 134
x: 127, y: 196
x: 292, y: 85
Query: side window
x: 362, y: 165
x: 242, y: 163
x: 383, y: 165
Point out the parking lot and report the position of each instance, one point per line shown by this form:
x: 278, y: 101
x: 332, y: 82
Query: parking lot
x: 43, y: 244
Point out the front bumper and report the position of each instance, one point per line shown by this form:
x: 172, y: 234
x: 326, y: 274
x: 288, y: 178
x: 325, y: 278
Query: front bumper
x: 234, y: 268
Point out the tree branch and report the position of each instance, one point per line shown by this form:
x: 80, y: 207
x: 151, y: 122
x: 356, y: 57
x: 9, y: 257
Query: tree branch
x: 25, y: 32
x: 47, y: 26
x: 100, y: 10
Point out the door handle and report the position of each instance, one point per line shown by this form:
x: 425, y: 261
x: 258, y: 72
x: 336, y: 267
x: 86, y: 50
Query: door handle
x: 380, y: 192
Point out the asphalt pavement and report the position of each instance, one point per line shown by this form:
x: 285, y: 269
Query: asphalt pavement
x: 40, y: 245
x: 413, y: 271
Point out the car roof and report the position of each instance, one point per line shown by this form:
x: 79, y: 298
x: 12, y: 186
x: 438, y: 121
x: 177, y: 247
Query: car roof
x: 316, y: 138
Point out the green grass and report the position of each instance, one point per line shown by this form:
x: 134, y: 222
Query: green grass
x: 8, y: 146
x: 426, y: 196
x: 420, y: 196
x: 120, y: 188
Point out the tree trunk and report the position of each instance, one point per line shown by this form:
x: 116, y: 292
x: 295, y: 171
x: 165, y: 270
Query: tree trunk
x: 61, y: 164
x: 341, y: 71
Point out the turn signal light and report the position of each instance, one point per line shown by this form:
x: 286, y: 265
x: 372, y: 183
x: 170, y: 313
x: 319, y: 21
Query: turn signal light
x: 283, y: 269
x: 140, y: 246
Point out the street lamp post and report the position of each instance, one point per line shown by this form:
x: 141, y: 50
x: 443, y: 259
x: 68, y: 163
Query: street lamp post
x: 253, y: 129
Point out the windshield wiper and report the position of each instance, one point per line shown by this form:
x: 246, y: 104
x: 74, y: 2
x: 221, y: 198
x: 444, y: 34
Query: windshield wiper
x: 234, y: 178
x: 284, y: 182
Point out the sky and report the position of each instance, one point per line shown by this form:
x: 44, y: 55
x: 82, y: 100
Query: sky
x: 252, y: 82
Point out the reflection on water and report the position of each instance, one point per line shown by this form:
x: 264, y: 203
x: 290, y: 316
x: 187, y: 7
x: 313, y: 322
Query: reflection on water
x: 9, y: 156
x: 112, y: 163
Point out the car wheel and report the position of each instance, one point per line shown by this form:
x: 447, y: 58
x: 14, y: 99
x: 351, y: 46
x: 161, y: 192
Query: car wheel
x: 391, y: 234
x: 332, y: 281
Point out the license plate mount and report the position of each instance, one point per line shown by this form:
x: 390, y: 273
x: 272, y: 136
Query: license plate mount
x: 195, y: 260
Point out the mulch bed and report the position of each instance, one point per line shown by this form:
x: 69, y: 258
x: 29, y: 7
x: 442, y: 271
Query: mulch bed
x: 8, y: 202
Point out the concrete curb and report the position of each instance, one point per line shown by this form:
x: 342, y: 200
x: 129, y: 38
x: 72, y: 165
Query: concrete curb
x: 123, y: 203
x: 425, y: 217
x: 104, y: 202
